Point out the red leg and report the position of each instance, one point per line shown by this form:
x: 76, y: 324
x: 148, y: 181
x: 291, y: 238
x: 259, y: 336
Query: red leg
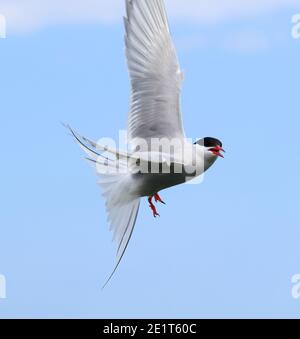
x: 158, y: 199
x: 154, y: 211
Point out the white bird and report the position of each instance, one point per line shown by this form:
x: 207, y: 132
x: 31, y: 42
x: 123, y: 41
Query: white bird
x: 156, y: 78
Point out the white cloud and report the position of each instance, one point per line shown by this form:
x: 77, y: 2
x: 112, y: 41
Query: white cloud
x: 26, y: 15
x: 217, y: 10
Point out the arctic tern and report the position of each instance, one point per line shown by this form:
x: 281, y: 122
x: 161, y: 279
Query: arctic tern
x: 156, y: 78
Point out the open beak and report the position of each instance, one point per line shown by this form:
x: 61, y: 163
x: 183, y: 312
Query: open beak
x: 217, y: 151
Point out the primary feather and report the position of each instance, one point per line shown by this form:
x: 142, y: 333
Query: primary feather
x: 154, y: 72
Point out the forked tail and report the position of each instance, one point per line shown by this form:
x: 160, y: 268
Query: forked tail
x: 115, y: 181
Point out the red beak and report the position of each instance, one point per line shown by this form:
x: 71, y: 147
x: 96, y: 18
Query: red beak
x: 216, y: 150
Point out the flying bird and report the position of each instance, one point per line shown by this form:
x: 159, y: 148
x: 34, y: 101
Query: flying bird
x: 127, y: 176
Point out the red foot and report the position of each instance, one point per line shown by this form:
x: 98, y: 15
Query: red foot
x: 154, y: 211
x: 158, y: 199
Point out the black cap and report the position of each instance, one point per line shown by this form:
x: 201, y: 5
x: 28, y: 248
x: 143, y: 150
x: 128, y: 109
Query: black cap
x: 209, y: 142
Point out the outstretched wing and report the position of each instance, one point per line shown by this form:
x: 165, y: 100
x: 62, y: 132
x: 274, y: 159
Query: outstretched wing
x: 154, y: 72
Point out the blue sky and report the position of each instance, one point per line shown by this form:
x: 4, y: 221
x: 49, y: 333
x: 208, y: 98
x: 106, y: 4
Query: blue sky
x: 226, y: 248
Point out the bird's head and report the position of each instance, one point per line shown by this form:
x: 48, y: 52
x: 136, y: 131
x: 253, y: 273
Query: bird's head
x: 212, y: 146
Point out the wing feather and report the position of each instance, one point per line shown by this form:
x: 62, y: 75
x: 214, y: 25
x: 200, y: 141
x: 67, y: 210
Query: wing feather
x: 154, y: 72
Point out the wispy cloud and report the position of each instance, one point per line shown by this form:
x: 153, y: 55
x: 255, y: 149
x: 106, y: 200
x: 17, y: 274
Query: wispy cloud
x: 27, y: 15
x: 214, y: 11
